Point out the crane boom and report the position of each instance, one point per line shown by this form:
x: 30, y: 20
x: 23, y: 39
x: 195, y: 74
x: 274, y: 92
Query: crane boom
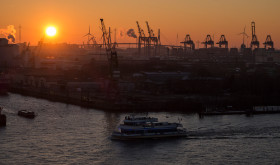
x: 149, y: 29
x: 140, y: 30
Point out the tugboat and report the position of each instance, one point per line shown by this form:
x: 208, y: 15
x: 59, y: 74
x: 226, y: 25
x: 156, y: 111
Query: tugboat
x: 2, y: 118
x: 27, y: 114
x: 147, y: 128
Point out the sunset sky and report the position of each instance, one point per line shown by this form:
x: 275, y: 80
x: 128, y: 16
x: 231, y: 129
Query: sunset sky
x: 195, y: 17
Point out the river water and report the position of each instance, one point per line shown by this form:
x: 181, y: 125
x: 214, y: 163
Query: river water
x: 68, y: 134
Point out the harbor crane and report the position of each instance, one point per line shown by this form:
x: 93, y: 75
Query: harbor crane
x: 147, y: 41
x: 223, y: 42
x: 188, y: 42
x: 141, y: 38
x: 151, y: 39
x: 110, y: 52
x: 208, y: 41
x: 254, y: 43
x: 268, y: 44
x: 140, y: 30
x: 151, y: 34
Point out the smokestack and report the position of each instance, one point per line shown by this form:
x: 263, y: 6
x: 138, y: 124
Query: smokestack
x: 19, y: 33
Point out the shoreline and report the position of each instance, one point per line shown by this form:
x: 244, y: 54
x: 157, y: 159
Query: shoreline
x: 145, y: 103
x: 110, y: 106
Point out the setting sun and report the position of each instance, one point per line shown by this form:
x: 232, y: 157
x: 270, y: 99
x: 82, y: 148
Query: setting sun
x: 51, y: 31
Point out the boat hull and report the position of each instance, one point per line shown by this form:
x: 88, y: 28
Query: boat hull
x: 26, y: 114
x: 120, y: 136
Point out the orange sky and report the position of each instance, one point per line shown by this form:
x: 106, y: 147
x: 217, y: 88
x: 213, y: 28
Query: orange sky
x: 195, y: 17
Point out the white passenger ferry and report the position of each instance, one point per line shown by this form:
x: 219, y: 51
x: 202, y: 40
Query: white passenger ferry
x: 147, y: 128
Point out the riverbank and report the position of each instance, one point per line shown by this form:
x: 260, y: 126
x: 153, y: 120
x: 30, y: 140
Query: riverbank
x: 136, y: 104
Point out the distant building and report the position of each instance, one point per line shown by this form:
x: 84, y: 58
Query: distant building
x: 264, y: 56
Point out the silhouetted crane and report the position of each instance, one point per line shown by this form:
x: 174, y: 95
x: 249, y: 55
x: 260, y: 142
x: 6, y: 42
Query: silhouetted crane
x: 208, y: 41
x: 254, y: 43
x: 268, y: 44
x: 151, y: 34
x: 188, y: 42
x: 140, y: 30
x: 151, y: 39
x: 223, y: 41
x: 141, y: 37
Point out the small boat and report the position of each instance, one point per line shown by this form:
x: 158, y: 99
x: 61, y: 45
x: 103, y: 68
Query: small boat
x: 27, y: 114
x: 147, y: 128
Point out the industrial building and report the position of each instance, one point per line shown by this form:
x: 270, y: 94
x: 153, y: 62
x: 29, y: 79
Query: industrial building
x: 9, y: 54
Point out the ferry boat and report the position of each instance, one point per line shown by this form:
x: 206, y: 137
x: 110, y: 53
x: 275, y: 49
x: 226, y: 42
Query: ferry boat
x: 147, y: 128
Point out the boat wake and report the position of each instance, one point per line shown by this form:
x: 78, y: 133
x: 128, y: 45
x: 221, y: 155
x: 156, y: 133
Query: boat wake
x: 241, y: 133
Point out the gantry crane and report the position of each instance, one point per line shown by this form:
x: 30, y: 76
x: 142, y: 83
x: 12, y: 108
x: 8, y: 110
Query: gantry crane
x: 151, y: 39
x: 151, y: 34
x: 141, y: 37
x: 147, y: 41
x: 254, y: 43
x: 110, y: 52
x: 208, y: 41
x: 188, y: 42
x: 268, y: 44
x: 223, y: 42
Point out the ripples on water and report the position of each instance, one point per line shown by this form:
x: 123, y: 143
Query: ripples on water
x: 67, y: 134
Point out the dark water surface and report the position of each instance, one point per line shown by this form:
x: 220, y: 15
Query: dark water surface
x: 68, y: 134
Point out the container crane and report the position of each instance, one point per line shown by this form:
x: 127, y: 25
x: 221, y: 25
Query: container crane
x: 140, y: 30
x: 208, y: 41
x: 151, y: 38
x: 268, y: 44
x: 254, y: 43
x: 151, y: 34
x: 223, y: 41
x: 141, y: 37
x: 188, y: 42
